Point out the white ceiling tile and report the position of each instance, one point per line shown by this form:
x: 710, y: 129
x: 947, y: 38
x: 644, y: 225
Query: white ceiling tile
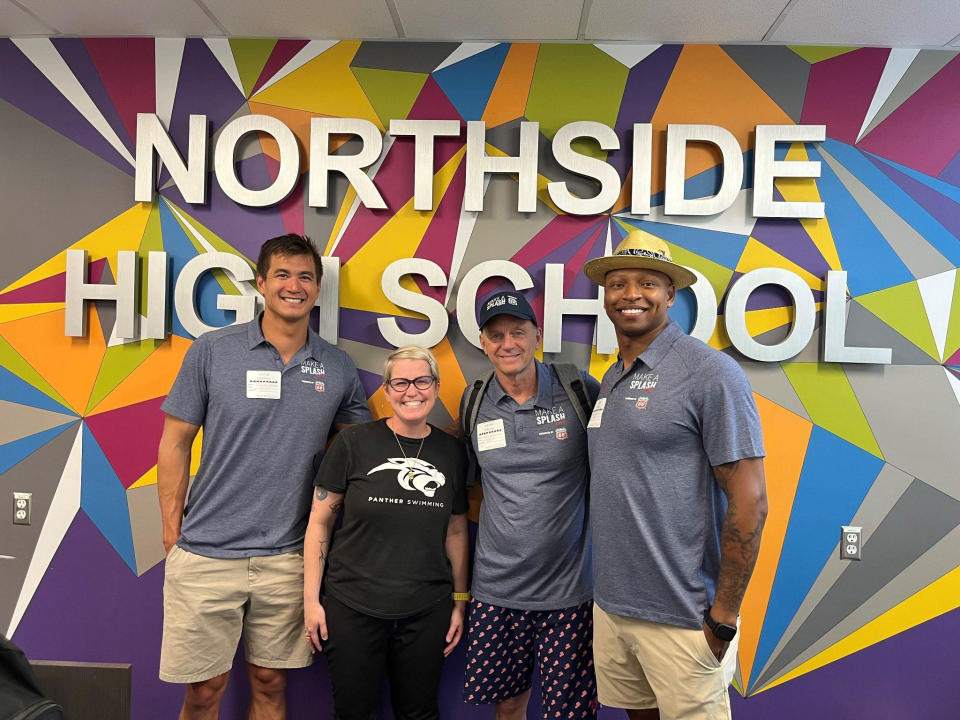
x: 14, y: 22
x: 682, y: 20
x: 898, y: 23
x: 490, y: 19
x: 123, y: 17
x: 318, y: 19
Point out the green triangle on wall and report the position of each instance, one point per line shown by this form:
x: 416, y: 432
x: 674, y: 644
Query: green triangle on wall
x: 575, y: 81
x: 901, y: 307
x: 250, y: 55
x: 118, y: 362
x: 390, y: 92
x: 831, y: 403
x: 816, y: 53
x: 152, y: 241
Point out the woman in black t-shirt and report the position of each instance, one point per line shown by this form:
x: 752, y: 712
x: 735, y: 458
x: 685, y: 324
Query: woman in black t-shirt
x: 395, y: 590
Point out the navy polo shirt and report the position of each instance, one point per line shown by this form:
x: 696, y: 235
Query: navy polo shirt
x: 533, y: 544
x: 660, y: 427
x: 252, y: 491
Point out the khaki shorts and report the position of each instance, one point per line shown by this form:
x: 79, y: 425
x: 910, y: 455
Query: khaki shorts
x: 642, y: 665
x: 209, y: 602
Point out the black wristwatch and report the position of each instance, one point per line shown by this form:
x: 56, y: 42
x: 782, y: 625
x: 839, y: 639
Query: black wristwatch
x: 721, y: 631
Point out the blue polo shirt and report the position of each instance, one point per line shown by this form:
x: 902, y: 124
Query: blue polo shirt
x: 252, y: 491
x: 656, y: 509
x: 533, y: 544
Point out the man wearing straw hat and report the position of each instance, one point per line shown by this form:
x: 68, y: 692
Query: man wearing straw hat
x: 677, y: 498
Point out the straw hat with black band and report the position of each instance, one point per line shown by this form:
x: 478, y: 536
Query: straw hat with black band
x: 640, y: 250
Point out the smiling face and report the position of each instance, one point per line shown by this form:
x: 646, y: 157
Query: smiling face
x: 511, y: 344
x: 290, y: 288
x: 637, y: 301
x: 412, y: 405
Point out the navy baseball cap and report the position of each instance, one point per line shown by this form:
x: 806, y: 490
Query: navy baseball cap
x: 505, y: 303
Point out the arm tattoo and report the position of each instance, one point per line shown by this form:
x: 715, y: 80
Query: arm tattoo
x: 723, y: 473
x: 324, y: 551
x: 335, y: 508
x: 320, y: 493
x: 739, y: 541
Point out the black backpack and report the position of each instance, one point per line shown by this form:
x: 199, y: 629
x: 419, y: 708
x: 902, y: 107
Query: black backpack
x: 567, y: 373
x: 20, y: 697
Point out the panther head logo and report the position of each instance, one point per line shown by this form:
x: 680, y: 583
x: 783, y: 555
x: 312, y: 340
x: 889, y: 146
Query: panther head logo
x: 414, y: 474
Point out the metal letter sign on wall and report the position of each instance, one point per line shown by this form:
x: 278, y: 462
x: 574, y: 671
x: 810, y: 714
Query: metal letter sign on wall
x: 153, y: 142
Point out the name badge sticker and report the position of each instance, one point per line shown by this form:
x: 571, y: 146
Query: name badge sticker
x: 597, y: 415
x: 490, y: 435
x: 263, y: 384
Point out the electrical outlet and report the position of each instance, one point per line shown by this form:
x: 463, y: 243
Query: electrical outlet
x: 22, y: 507
x: 850, y: 542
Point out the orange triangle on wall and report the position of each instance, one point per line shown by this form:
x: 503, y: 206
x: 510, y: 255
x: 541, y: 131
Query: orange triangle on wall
x: 150, y: 379
x: 785, y: 437
x: 299, y: 122
x: 69, y: 364
x: 708, y: 87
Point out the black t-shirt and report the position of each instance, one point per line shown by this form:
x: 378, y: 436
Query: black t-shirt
x: 388, y: 559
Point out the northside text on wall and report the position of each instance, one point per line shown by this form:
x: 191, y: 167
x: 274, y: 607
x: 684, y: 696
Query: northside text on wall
x: 189, y: 175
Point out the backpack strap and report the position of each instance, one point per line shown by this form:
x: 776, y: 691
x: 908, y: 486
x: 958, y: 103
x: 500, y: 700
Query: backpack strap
x: 569, y: 376
x: 469, y: 409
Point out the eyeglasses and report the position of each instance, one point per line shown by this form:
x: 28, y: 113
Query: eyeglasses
x: 424, y: 382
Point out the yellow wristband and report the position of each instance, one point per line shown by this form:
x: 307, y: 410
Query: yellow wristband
x: 458, y: 597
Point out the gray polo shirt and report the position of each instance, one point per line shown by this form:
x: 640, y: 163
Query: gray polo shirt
x: 252, y: 491
x: 533, y: 545
x: 660, y: 427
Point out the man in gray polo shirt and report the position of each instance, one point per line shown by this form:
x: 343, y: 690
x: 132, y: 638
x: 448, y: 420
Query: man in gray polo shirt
x: 677, y: 498
x: 532, y: 584
x: 267, y: 394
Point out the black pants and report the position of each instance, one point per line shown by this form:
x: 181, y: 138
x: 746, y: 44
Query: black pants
x: 360, y: 648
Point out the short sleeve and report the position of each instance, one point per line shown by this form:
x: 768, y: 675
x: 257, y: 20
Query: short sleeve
x: 335, y: 466
x: 187, y: 399
x: 729, y: 422
x: 353, y: 406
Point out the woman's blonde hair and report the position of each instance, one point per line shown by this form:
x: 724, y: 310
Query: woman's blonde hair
x: 411, y: 352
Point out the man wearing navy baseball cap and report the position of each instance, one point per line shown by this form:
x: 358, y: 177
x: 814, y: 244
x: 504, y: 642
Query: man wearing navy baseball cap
x: 525, y: 423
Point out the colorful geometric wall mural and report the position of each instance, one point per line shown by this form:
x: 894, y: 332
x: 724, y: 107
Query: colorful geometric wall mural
x: 848, y: 444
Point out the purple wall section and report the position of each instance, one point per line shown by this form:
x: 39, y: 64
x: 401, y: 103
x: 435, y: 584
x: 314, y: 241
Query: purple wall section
x: 61, y: 620
x: 911, y: 676
x: 875, y: 683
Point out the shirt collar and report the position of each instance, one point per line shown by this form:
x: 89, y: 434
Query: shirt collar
x: 255, y: 333
x: 495, y: 389
x: 315, y: 344
x: 660, y: 346
x: 544, y: 396
x: 313, y: 349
